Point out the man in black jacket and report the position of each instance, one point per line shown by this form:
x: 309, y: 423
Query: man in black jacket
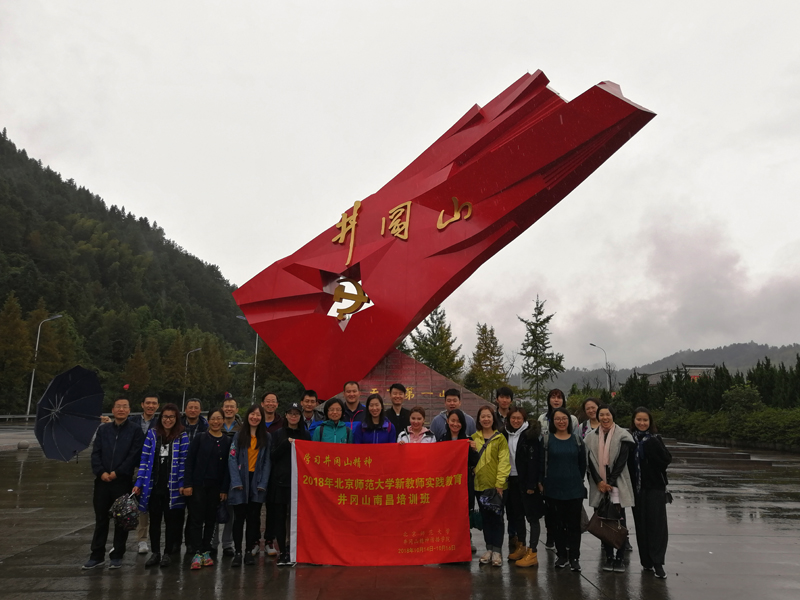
x: 115, y: 458
x: 398, y: 416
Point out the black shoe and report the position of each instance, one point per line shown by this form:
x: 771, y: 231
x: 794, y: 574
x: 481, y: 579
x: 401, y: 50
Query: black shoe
x: 619, y: 566
x: 609, y: 564
x: 249, y: 559
x: 574, y: 565
x: 627, y: 547
x: 550, y: 544
x: 228, y: 552
x: 660, y: 572
x: 237, y: 560
x: 561, y: 562
x: 644, y: 568
x: 283, y: 560
x: 165, y: 561
x: 93, y: 564
x: 153, y: 561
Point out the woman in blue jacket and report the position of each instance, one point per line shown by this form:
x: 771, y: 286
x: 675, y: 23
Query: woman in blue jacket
x: 375, y: 428
x: 249, y: 466
x: 159, y: 483
x: 333, y: 429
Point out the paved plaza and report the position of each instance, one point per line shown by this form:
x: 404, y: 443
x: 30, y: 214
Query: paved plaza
x: 734, y: 533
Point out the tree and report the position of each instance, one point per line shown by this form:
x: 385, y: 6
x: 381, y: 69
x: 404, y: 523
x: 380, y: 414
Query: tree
x: 137, y: 372
x: 539, y: 363
x: 435, y: 346
x: 16, y: 354
x: 486, y: 371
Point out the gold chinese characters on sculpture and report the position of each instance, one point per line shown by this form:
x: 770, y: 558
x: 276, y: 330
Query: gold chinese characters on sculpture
x: 457, y: 216
x: 347, y: 224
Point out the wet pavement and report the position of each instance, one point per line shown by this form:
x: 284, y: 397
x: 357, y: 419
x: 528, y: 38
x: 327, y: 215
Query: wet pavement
x: 734, y: 533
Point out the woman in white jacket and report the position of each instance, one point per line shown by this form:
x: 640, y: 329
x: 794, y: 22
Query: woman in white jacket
x: 608, y: 447
x: 416, y: 433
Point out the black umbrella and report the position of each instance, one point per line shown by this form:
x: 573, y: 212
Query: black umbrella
x: 68, y: 414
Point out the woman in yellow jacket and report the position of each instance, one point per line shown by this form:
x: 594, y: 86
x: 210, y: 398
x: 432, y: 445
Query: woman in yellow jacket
x: 491, y: 479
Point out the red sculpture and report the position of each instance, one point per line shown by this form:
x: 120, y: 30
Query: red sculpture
x: 334, y: 308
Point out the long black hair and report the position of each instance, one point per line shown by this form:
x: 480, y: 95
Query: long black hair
x: 177, y: 427
x: 462, y: 433
x: 551, y: 427
x: 642, y: 409
x: 368, y: 423
x: 261, y: 430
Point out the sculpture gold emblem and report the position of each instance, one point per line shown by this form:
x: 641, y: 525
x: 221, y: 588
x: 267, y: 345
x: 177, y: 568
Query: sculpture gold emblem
x: 359, y: 298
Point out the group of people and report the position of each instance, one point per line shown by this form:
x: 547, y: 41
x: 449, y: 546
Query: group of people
x: 524, y: 469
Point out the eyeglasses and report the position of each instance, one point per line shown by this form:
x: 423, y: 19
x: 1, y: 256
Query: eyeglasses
x: 168, y: 417
x: 560, y: 420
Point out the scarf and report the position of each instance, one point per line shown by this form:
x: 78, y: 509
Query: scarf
x: 640, y: 437
x: 604, y: 448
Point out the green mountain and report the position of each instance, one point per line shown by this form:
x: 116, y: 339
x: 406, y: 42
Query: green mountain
x: 133, y: 302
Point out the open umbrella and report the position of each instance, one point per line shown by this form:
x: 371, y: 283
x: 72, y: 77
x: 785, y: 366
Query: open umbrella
x: 68, y: 414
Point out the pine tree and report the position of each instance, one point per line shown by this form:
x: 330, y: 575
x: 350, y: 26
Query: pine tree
x: 154, y: 365
x: 435, y: 346
x: 539, y: 363
x: 137, y: 372
x: 487, y: 371
x: 16, y: 356
x: 49, y: 362
x: 174, y: 369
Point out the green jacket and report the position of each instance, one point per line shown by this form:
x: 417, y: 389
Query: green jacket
x: 338, y: 433
x: 494, y: 466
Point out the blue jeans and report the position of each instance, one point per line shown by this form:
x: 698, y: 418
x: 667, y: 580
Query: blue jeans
x: 492, y: 527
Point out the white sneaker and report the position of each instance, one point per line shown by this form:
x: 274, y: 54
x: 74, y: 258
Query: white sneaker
x: 143, y: 549
x: 270, y: 548
x: 487, y: 556
x: 497, y: 559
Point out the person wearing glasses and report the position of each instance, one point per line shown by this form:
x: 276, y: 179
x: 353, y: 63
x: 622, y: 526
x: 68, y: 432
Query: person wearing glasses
x: 159, y: 483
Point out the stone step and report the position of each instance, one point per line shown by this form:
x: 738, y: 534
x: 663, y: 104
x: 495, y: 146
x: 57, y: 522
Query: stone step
x: 709, y: 454
x: 721, y: 463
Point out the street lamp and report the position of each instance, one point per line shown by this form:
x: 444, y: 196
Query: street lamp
x: 608, y: 369
x: 35, y: 356
x: 185, y: 374
x: 255, y: 360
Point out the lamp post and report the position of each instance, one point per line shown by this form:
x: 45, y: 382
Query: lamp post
x: 185, y: 374
x: 255, y: 360
x: 608, y: 370
x: 35, y: 357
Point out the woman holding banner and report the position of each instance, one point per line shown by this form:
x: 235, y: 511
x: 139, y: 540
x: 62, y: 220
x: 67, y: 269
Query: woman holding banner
x: 249, y: 467
x: 375, y: 428
x: 279, y: 493
x: 457, y: 430
x: 491, y: 479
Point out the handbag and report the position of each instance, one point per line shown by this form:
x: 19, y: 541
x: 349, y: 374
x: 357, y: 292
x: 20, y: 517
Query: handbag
x: 223, y: 512
x: 607, y: 509
x: 492, y: 501
x: 609, y: 531
x: 125, y: 512
x: 475, y: 520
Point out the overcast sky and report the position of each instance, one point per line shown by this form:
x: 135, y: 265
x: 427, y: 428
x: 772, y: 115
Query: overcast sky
x: 246, y: 128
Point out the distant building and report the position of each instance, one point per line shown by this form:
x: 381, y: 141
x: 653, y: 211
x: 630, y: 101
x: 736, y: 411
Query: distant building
x: 694, y: 372
x: 424, y: 386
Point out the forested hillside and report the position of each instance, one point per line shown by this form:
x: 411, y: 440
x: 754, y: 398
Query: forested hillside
x: 133, y: 302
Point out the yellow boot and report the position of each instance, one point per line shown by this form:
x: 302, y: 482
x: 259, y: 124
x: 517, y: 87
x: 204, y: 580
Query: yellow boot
x: 529, y: 560
x: 519, y: 553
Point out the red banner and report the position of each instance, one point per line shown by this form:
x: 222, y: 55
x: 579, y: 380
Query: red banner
x: 380, y: 504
